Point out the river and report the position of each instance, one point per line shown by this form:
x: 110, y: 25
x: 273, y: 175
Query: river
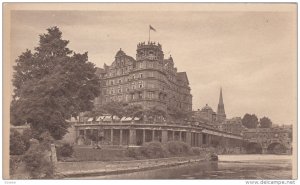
x: 228, y: 167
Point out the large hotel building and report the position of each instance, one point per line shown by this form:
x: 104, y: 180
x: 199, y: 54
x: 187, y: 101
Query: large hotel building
x: 152, y: 81
x: 149, y: 80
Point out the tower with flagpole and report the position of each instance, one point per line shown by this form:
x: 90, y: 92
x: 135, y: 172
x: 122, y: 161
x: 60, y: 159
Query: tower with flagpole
x: 151, y: 28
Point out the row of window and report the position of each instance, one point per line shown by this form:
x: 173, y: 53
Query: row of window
x: 125, y: 79
x: 129, y: 97
x: 141, y: 75
x: 138, y: 65
x: 120, y: 89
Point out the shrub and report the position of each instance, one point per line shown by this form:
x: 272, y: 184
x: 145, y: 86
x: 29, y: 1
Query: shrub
x: 14, y: 162
x: 27, y: 135
x: 66, y: 150
x: 196, y: 150
x: 16, y: 143
x: 177, y: 147
x: 38, y: 165
x: 87, y: 141
x: 133, y: 152
x: 153, y: 150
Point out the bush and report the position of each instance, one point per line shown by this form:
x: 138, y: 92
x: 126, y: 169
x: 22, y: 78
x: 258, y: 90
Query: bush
x: 27, y: 135
x: 133, y: 152
x: 87, y: 141
x: 14, y: 162
x: 196, y: 150
x: 16, y: 143
x: 153, y: 150
x: 66, y: 150
x: 177, y: 147
x: 38, y: 165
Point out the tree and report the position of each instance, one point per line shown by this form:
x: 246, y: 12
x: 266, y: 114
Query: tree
x: 51, y: 85
x: 250, y: 121
x: 265, y: 122
x: 133, y: 111
x: 178, y: 114
x: 114, y: 108
x: 154, y: 112
x: 16, y: 143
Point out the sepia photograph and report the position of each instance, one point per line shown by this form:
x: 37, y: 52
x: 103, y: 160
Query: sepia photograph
x: 128, y: 91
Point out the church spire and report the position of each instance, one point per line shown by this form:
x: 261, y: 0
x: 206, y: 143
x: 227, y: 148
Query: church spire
x: 221, y: 110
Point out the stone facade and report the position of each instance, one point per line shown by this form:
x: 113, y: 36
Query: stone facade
x: 149, y: 80
x: 269, y: 137
x: 233, y: 125
x: 206, y: 114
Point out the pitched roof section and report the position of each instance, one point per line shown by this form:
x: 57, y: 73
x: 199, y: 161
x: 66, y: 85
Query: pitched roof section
x: 99, y: 71
x: 183, y: 77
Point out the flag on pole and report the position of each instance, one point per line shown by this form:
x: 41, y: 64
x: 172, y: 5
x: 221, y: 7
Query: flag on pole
x: 151, y: 28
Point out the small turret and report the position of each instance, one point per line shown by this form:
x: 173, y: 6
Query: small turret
x: 150, y: 51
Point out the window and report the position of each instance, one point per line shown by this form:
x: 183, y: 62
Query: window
x: 141, y: 85
x: 127, y: 89
x: 140, y: 95
x: 141, y: 75
x: 111, y: 82
x: 133, y: 87
x: 119, y: 90
x: 133, y: 76
x: 120, y: 81
x: 150, y: 95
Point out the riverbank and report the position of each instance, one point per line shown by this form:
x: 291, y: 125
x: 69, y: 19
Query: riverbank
x: 244, y: 167
x: 99, y: 168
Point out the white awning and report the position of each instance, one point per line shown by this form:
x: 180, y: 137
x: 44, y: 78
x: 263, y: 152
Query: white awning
x: 123, y: 118
x: 136, y: 118
x: 100, y: 118
x: 107, y: 118
x: 116, y: 118
x: 90, y: 119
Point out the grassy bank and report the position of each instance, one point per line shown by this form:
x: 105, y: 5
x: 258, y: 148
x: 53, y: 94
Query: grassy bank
x: 98, y: 168
x: 151, y: 150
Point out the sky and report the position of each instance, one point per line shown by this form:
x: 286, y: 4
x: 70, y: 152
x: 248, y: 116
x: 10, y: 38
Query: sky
x: 250, y: 54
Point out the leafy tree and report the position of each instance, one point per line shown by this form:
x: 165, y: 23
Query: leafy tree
x: 154, y: 112
x: 250, y: 121
x: 16, y: 143
x: 66, y: 150
x: 114, y: 108
x: 19, y: 143
x: 133, y: 111
x: 179, y: 114
x: 265, y: 122
x: 51, y: 85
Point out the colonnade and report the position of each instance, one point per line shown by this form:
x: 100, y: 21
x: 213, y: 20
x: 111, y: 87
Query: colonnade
x: 139, y: 136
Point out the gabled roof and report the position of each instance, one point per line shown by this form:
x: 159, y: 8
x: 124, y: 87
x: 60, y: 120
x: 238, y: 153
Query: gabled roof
x: 99, y: 71
x: 182, y: 76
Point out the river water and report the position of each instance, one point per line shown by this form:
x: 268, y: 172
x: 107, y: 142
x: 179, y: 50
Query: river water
x: 228, y: 167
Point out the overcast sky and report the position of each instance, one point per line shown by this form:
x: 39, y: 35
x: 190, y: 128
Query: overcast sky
x: 251, y: 54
